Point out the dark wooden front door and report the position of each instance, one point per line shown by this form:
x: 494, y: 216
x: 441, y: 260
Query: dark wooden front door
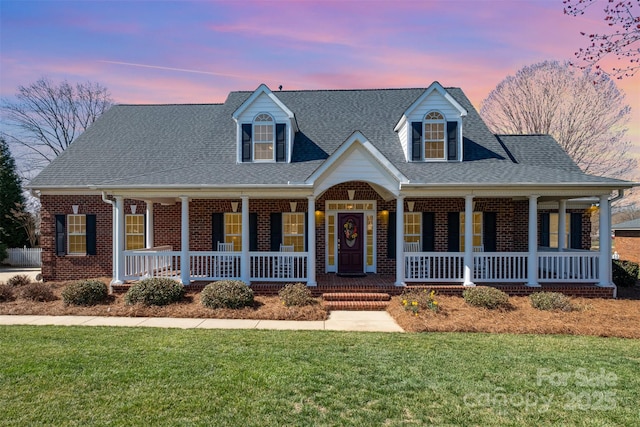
x: 350, y: 247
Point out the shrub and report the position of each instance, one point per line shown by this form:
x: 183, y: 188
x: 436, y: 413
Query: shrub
x: 85, y: 292
x: 419, y: 299
x: 6, y: 293
x: 154, y: 291
x: 486, y: 297
x: 19, y: 280
x: 37, y: 292
x: 550, y: 301
x: 625, y: 273
x: 296, y: 295
x: 227, y: 294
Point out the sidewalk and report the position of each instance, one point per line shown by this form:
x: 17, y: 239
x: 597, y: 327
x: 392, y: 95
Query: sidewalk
x: 369, y: 321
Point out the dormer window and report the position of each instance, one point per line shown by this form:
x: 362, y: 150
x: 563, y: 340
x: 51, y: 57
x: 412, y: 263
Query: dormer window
x: 434, y: 141
x: 434, y: 138
x: 263, y: 138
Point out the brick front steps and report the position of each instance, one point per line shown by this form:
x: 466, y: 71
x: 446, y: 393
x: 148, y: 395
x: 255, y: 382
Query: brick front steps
x: 356, y: 301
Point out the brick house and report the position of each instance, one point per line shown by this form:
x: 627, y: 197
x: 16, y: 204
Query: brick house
x: 627, y: 236
x: 291, y: 185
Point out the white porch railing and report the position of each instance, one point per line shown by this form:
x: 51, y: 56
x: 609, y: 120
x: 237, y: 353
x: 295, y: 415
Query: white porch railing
x: 564, y: 267
x: 434, y: 266
x: 23, y: 257
x: 215, y: 265
x: 502, y: 267
x: 159, y: 261
x: 279, y: 266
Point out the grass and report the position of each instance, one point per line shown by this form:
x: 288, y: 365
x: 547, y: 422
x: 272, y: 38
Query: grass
x: 67, y: 376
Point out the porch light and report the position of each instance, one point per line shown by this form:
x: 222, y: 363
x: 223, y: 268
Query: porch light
x: 293, y: 206
x: 234, y: 207
x: 75, y: 209
x: 133, y: 209
x: 411, y: 205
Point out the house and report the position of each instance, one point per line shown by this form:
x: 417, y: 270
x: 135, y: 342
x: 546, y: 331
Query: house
x: 290, y: 186
x: 627, y: 237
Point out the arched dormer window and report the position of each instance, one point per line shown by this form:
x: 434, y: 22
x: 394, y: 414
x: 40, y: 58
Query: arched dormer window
x: 434, y: 136
x: 263, y: 138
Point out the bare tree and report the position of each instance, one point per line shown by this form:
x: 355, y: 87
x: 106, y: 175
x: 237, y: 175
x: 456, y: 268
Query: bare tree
x: 28, y: 221
x: 47, y: 117
x: 621, y: 42
x: 587, y: 119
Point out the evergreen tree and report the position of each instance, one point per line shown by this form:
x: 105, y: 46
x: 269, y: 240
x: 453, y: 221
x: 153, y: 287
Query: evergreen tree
x: 11, y: 233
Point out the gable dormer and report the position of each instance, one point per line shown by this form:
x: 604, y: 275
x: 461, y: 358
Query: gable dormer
x: 265, y: 128
x: 431, y: 128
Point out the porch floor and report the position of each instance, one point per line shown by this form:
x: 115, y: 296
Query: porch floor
x: 384, y: 283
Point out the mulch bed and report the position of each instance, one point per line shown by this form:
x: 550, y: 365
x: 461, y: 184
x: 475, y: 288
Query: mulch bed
x: 190, y: 307
x: 598, y: 317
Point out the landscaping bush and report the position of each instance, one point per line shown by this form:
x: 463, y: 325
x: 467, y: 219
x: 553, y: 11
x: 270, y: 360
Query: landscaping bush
x: 486, y: 297
x: 19, y: 280
x: 296, y: 295
x: 37, y: 292
x: 154, y: 291
x: 85, y: 292
x: 625, y: 273
x: 6, y: 293
x: 550, y: 301
x: 227, y: 294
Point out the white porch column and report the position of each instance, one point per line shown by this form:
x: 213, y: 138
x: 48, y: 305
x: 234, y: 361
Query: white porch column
x: 468, y: 240
x: 118, y: 242
x: 400, y: 241
x: 149, y: 225
x: 532, y: 271
x: 311, y: 242
x: 245, y: 262
x: 185, y: 269
x: 604, y: 266
x: 562, y: 224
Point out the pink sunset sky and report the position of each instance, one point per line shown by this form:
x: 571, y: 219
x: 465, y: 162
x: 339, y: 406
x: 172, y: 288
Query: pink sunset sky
x: 197, y: 52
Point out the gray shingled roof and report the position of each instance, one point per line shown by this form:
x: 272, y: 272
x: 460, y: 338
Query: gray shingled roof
x: 195, y: 145
x: 628, y: 225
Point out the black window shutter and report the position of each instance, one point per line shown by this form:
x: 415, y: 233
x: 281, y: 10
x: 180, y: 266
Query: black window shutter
x: 391, y: 236
x: 576, y: 230
x: 428, y: 231
x: 246, y: 142
x: 490, y: 231
x: 276, y: 231
x: 545, y: 239
x: 280, y: 142
x: 61, y: 236
x: 416, y: 141
x: 91, y: 235
x: 452, y: 140
x: 453, y: 228
x: 306, y: 234
x: 253, y: 231
x: 217, y: 229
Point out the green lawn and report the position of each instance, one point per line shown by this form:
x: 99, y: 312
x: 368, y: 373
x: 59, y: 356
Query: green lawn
x: 146, y: 376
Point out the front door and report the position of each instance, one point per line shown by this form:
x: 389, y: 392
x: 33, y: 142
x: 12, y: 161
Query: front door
x: 350, y: 246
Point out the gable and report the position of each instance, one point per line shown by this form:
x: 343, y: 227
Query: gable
x: 357, y: 160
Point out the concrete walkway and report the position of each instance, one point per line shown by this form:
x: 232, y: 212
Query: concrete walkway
x: 370, y: 321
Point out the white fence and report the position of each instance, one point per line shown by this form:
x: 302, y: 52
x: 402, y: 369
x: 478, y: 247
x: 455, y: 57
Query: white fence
x: 24, y: 257
x: 569, y: 267
x: 160, y: 261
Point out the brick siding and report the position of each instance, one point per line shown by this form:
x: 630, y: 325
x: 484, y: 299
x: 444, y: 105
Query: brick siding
x: 627, y: 244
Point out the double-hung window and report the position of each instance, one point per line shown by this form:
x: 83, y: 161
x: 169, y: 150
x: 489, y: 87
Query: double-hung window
x: 77, y: 234
x: 554, y: 225
x: 263, y: 138
x: 434, y: 136
x: 412, y: 227
x: 293, y: 230
x: 233, y: 230
x: 134, y: 230
x: 477, y: 230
